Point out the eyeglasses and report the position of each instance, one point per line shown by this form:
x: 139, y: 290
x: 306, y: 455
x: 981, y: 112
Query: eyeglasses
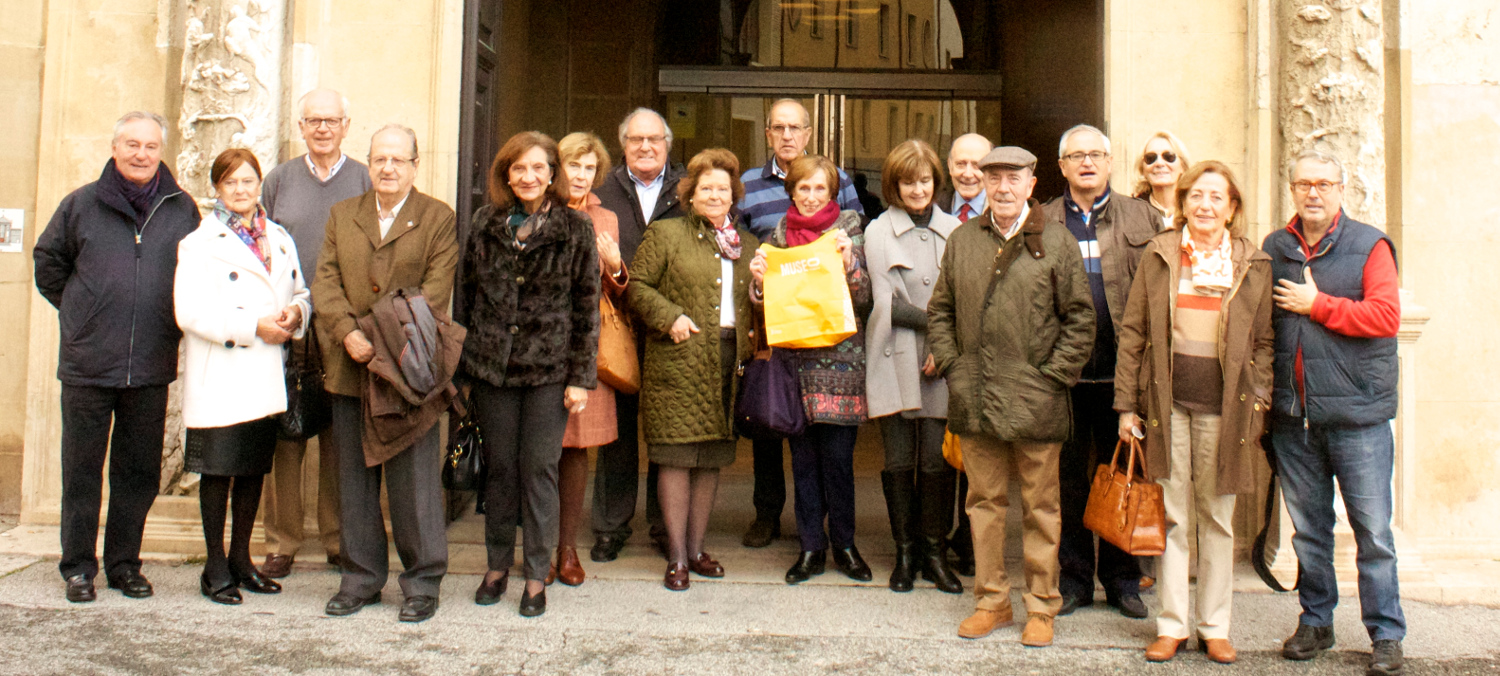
x: 1302, y: 187
x: 782, y: 129
x: 323, y: 122
x: 638, y: 141
x: 1167, y: 156
x: 1096, y: 157
x: 397, y: 162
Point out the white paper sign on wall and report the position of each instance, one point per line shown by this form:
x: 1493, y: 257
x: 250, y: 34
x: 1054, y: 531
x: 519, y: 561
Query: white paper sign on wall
x: 12, y: 226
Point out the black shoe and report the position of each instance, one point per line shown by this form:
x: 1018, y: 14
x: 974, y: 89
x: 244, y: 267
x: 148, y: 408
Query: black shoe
x: 1385, y: 658
x: 904, y: 575
x: 935, y: 568
x: 489, y: 593
x: 344, y: 603
x: 1307, y: 643
x: 761, y: 534
x: 1072, y: 602
x: 808, y: 564
x: 227, y: 594
x: 607, y: 548
x: 532, y: 606
x: 418, y: 608
x: 253, y: 581
x: 1130, y: 605
x: 132, y: 584
x: 81, y: 589
x: 849, y: 562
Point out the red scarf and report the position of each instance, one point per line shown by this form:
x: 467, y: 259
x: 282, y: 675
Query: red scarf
x: 806, y: 229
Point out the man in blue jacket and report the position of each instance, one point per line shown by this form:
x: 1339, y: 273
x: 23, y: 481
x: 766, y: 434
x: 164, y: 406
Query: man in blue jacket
x: 106, y: 261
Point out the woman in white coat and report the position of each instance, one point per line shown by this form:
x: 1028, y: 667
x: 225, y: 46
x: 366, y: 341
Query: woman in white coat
x: 904, y: 248
x: 239, y: 295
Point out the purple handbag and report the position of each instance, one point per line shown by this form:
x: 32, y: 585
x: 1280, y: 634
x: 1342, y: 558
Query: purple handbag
x: 770, y: 399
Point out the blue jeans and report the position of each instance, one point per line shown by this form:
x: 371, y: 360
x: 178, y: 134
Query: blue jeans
x: 1362, y: 459
x: 823, y: 474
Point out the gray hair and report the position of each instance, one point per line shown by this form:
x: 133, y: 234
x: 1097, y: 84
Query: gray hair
x: 645, y: 111
x: 343, y: 102
x: 401, y: 128
x: 134, y: 115
x: 806, y: 116
x: 1317, y: 156
x: 1062, y: 145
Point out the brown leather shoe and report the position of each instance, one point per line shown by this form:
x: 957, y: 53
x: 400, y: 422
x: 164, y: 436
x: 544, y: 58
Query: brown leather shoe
x: 983, y: 622
x: 1163, y: 648
x: 551, y: 575
x: 1219, y: 650
x: 1147, y: 582
x: 676, y: 578
x: 569, y: 569
x: 276, y: 566
x: 705, y: 565
x: 1038, y: 631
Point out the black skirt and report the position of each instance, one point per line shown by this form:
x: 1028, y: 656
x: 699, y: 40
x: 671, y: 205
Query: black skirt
x: 244, y: 449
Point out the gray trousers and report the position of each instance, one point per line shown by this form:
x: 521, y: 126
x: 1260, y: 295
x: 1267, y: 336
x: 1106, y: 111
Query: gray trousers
x: 523, y: 430
x: 415, y: 493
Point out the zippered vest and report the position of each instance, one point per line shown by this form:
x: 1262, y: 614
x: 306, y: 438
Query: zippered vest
x: 1349, y: 381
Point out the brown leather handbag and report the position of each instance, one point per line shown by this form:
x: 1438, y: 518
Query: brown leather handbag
x: 618, y: 366
x: 1125, y: 508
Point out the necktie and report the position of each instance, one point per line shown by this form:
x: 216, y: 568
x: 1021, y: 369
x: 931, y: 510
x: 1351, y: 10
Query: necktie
x: 965, y: 212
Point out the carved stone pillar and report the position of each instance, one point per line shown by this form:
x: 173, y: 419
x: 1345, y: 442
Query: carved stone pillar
x: 1333, y: 94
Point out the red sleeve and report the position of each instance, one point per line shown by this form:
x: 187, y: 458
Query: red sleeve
x: 1379, y: 314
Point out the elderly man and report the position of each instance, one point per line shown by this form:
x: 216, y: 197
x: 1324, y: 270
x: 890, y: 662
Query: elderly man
x: 106, y: 262
x: 390, y: 238
x: 1112, y: 231
x: 1008, y: 369
x: 788, y: 130
x: 639, y: 192
x: 966, y: 199
x: 1337, y: 312
x: 298, y: 195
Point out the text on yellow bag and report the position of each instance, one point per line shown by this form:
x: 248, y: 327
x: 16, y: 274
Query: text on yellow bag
x: 807, y: 300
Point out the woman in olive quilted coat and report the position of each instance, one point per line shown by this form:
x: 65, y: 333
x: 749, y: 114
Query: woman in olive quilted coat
x: 690, y: 285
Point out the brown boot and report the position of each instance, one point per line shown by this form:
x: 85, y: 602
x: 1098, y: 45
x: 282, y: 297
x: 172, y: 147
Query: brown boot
x: 1219, y: 650
x: 1164, y: 648
x: 1038, y: 631
x: 569, y: 569
x: 983, y: 622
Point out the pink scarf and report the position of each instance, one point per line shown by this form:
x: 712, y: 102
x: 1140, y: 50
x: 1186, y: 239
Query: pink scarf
x: 806, y: 229
x: 1213, y: 269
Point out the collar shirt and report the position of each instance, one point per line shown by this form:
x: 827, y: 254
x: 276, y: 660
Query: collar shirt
x: 976, y: 205
x: 1014, y: 227
x: 647, y: 191
x: 726, y: 292
x: 331, y: 172
x: 385, y: 223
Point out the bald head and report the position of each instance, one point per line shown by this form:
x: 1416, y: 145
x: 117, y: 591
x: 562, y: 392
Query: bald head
x: 324, y: 122
x: 963, y: 164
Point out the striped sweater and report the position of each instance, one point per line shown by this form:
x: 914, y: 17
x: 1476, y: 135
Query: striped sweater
x: 1197, y: 379
x: 766, y: 199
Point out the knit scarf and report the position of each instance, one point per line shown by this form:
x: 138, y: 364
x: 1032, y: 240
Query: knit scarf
x: 806, y: 229
x: 140, y: 197
x: 252, y: 233
x: 728, y: 238
x: 1213, y: 269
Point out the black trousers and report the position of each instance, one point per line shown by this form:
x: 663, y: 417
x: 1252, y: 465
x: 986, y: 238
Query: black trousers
x: 617, y: 475
x: 523, y: 431
x: 1095, y: 431
x: 769, y: 458
x: 139, y: 416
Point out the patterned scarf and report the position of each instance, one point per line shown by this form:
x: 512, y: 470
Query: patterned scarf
x: 1213, y: 269
x: 253, y: 234
x: 806, y: 229
x: 728, y: 238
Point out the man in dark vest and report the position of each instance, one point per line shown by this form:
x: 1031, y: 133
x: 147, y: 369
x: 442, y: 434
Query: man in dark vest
x: 1337, y: 312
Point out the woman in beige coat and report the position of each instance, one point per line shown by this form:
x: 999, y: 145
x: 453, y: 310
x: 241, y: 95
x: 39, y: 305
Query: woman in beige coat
x: 1193, y: 379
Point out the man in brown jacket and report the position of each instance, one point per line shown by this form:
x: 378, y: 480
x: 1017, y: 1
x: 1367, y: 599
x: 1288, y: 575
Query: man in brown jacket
x: 1009, y: 365
x: 392, y: 237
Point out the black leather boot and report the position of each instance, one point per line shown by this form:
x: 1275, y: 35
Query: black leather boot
x: 935, y: 491
x: 898, y: 504
x: 808, y: 564
x: 962, y: 542
x: 851, y: 564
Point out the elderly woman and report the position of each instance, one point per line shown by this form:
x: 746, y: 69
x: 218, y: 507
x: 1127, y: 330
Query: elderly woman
x: 585, y: 162
x: 832, y: 378
x: 691, y: 288
x: 530, y: 290
x: 1194, y: 375
x: 904, y: 249
x: 240, y: 295
x: 1160, y: 166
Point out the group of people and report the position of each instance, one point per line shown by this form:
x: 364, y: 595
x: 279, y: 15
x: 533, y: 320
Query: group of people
x: 1040, y: 335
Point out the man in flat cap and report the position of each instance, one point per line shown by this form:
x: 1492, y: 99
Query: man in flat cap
x: 1009, y: 367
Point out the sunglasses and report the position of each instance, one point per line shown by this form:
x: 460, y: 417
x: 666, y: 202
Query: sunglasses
x: 1169, y: 156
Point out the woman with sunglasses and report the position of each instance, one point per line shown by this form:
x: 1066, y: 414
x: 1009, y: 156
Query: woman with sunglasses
x: 1162, y: 162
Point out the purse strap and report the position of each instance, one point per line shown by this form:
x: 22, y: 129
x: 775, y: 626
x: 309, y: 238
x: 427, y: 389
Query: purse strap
x: 1130, y: 459
x: 762, y: 347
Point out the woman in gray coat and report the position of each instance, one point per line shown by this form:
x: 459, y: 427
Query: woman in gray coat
x: 903, y: 248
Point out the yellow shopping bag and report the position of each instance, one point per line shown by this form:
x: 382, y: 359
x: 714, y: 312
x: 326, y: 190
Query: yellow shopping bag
x: 807, y: 299
x: 952, y: 451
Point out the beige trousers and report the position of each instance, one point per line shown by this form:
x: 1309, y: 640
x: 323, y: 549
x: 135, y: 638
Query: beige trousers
x: 1192, y: 486
x: 282, y: 499
x: 990, y: 463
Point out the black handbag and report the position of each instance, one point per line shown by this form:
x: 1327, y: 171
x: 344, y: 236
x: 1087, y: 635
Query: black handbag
x: 463, y: 465
x: 308, y: 411
x: 770, y: 400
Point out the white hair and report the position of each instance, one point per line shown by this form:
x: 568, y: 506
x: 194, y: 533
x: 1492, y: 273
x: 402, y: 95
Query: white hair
x: 806, y: 116
x: 1317, y: 156
x: 644, y: 111
x: 343, y: 102
x: 134, y: 115
x: 401, y: 128
x: 1062, y: 145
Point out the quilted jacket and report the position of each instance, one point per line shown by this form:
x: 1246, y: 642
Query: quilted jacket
x: 677, y: 271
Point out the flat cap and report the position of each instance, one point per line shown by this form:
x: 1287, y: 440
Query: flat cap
x: 1008, y: 156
